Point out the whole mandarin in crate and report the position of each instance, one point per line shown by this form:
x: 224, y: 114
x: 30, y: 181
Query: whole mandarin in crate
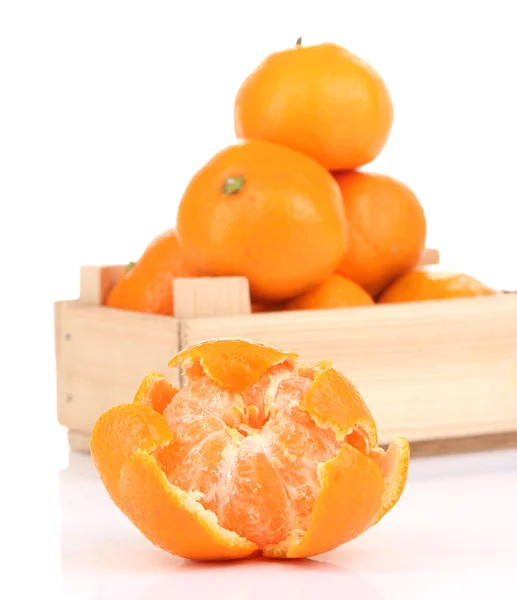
x: 255, y: 454
x: 320, y: 100
x: 147, y: 284
x: 387, y: 229
x: 266, y: 212
x: 335, y: 292
x: 423, y: 284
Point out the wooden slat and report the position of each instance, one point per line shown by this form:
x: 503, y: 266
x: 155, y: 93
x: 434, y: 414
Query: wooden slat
x: 427, y: 370
x: 461, y: 445
x: 103, y: 354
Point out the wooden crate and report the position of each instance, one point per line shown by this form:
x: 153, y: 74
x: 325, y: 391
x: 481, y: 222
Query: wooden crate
x: 442, y: 373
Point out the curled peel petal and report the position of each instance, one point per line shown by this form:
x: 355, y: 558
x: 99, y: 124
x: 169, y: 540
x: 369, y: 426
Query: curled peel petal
x: 156, y: 391
x: 347, y: 505
x: 232, y: 363
x: 394, y: 465
x: 171, y: 518
x: 335, y: 403
x: 118, y: 434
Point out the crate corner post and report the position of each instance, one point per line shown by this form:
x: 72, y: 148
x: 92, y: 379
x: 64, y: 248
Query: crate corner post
x: 95, y: 283
x: 206, y: 297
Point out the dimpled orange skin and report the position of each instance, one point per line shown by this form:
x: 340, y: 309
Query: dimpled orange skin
x: 387, y: 229
x: 147, y: 287
x: 421, y: 284
x: 284, y: 229
x: 335, y: 292
x: 214, y: 465
x: 321, y: 100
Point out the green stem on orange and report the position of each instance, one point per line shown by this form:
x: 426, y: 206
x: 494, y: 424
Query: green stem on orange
x: 129, y: 266
x: 299, y: 42
x: 233, y: 185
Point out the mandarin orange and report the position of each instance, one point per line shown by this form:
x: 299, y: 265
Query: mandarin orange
x: 147, y: 286
x: 335, y: 292
x: 255, y: 454
x: 267, y: 212
x: 320, y: 100
x: 422, y: 284
x: 387, y: 229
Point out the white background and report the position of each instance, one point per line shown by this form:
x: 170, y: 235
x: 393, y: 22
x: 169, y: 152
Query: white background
x: 107, y: 109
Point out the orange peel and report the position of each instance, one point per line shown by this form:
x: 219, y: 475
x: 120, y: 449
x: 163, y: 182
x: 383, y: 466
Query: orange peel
x: 232, y: 363
x: 333, y: 401
x: 394, y: 465
x: 118, y: 434
x: 171, y: 518
x: 358, y: 505
x: 156, y: 391
x: 256, y: 454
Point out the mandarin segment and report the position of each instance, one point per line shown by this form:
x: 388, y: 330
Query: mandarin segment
x: 171, y: 518
x: 232, y: 363
x: 203, y: 398
x: 297, y: 446
x: 196, y: 440
x: 118, y: 434
x: 255, y: 501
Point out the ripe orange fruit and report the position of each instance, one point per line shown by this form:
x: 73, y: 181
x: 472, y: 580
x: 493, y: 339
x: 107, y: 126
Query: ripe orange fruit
x: 335, y: 292
x: 387, y: 229
x: 147, y: 284
x: 422, y: 284
x: 267, y: 212
x: 256, y: 454
x: 320, y: 100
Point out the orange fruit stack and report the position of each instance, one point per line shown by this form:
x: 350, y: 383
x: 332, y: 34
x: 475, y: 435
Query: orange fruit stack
x: 288, y: 207
x: 257, y: 454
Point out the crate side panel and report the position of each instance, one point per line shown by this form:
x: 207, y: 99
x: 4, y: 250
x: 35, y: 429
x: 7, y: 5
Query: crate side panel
x: 104, y: 355
x: 427, y: 370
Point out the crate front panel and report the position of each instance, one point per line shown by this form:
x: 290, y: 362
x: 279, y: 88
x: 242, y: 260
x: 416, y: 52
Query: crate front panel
x: 427, y: 370
x: 103, y: 354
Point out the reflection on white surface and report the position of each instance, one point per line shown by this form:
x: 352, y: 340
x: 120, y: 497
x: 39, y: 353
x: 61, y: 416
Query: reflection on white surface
x: 453, y: 532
